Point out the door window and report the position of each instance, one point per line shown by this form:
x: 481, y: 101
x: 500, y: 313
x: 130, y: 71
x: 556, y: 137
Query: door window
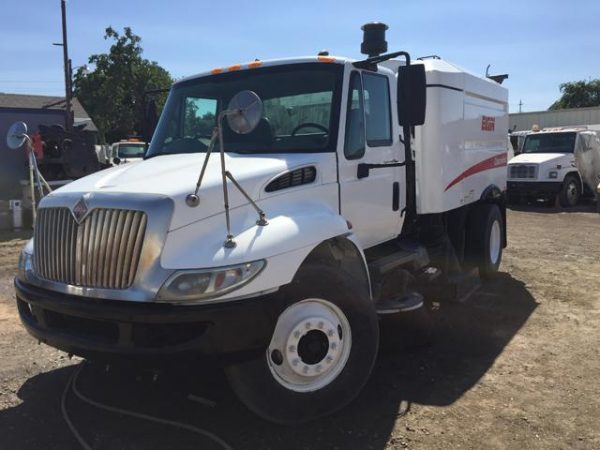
x: 354, y: 143
x: 377, y: 110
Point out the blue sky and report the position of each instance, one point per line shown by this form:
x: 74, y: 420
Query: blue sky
x: 539, y: 43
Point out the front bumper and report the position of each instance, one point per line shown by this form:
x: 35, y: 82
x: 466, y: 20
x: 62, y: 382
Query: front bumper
x: 533, y: 188
x: 105, y: 330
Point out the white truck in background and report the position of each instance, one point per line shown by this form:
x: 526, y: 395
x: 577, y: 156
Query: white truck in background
x: 335, y: 180
x: 547, y: 168
x: 127, y: 150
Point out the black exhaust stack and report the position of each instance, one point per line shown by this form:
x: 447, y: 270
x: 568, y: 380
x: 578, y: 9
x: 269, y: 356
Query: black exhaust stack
x: 374, y: 43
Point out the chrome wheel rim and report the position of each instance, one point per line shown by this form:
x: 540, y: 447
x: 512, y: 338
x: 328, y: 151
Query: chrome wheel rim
x: 310, y: 345
x: 495, y: 242
x: 572, y: 193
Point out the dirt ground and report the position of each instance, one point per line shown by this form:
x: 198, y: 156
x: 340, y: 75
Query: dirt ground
x: 517, y: 366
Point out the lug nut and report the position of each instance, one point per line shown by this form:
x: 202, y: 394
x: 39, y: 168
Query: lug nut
x: 329, y: 333
x: 295, y: 362
x: 329, y: 359
x: 305, y: 369
x: 296, y: 334
x: 291, y: 348
x: 333, y: 346
x: 308, y: 325
x: 277, y: 357
x: 319, y: 367
x: 321, y: 325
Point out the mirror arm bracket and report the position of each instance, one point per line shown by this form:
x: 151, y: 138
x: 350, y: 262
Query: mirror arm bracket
x: 262, y: 218
x: 371, y: 63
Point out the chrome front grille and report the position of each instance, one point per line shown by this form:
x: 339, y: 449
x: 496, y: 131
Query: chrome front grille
x: 103, y: 251
x: 522, y: 171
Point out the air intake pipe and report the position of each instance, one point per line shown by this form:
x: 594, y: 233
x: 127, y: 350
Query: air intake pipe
x: 374, y: 43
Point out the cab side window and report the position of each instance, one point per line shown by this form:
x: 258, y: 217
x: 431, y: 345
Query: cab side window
x: 354, y: 143
x: 377, y: 110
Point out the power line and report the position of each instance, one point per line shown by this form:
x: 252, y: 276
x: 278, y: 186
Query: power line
x: 31, y: 81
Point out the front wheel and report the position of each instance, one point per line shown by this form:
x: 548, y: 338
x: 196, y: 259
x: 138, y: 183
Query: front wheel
x: 570, y: 192
x: 321, y: 353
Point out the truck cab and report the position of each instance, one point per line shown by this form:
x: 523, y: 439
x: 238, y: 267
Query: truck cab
x: 283, y: 210
x: 127, y: 150
x: 546, y: 167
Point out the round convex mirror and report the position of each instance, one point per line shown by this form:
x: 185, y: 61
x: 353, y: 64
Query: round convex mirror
x: 245, y: 111
x: 17, y: 133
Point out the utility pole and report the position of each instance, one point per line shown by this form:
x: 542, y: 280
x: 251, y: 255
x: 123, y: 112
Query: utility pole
x: 67, y: 64
x: 520, y: 104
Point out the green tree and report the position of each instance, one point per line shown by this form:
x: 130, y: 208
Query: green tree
x: 578, y: 94
x: 113, y: 93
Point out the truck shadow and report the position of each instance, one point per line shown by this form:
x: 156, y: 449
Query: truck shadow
x: 467, y: 340
x: 586, y: 205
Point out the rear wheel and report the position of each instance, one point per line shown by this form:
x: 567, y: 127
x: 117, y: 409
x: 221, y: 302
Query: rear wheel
x: 570, y: 192
x: 485, y: 239
x: 321, y: 353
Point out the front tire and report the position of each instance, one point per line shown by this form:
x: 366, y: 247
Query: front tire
x: 321, y: 354
x: 485, y: 239
x: 570, y: 192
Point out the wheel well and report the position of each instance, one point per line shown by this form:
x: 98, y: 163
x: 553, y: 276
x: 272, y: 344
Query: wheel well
x: 342, y: 253
x: 576, y: 175
x: 492, y: 193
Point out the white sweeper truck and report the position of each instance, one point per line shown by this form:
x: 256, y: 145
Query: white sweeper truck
x: 276, y: 204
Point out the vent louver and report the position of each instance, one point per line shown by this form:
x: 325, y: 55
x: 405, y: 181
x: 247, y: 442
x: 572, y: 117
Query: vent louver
x: 297, y: 177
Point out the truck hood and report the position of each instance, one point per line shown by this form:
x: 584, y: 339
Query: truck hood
x: 538, y: 158
x: 175, y: 176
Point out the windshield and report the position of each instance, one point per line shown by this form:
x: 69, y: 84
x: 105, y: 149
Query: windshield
x: 131, y: 150
x: 550, y: 143
x: 301, y: 104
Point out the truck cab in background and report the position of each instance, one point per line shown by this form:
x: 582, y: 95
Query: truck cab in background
x: 127, y: 150
x: 546, y: 168
x: 344, y: 192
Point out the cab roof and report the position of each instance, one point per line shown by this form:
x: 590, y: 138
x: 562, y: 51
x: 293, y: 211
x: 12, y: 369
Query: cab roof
x: 324, y: 59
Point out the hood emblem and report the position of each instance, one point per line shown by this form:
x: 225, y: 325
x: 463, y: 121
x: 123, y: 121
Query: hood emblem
x: 79, y: 210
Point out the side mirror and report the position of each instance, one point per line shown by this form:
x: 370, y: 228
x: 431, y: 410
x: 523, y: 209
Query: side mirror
x: 412, y: 95
x: 150, y: 120
x: 244, y: 112
x: 116, y: 160
x: 16, y: 136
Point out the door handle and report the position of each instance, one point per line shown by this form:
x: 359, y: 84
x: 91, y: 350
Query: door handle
x: 395, y: 196
x: 364, y: 168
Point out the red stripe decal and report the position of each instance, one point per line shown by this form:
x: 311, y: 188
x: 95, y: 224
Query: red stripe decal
x: 486, y: 164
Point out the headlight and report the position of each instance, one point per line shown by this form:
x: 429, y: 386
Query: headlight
x: 25, y: 264
x: 202, y: 284
x: 553, y: 174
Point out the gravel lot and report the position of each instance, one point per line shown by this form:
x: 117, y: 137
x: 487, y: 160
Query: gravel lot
x: 517, y: 366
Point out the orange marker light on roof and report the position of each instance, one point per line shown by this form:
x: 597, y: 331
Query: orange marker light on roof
x: 234, y: 67
x: 327, y: 59
x: 216, y: 70
x: 254, y: 64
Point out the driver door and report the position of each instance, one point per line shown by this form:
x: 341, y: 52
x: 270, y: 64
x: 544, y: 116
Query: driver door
x: 371, y: 180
